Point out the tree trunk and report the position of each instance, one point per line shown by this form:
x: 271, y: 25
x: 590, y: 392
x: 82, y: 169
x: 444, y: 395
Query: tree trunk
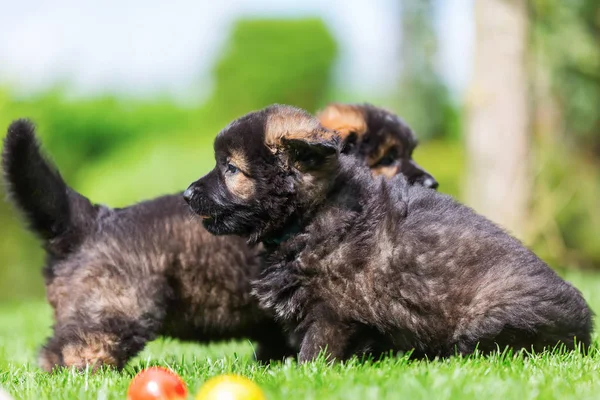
x: 498, y: 146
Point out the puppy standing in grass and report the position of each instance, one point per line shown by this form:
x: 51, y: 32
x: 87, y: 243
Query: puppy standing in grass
x: 117, y: 278
x: 356, y: 264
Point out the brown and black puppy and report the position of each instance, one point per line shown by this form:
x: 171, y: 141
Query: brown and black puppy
x: 117, y: 278
x: 379, y: 137
x: 358, y: 264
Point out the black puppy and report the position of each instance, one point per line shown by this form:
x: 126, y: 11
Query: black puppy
x: 379, y: 137
x: 359, y: 264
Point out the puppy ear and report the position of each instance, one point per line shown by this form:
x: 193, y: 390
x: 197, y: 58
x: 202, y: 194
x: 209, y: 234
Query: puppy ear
x: 347, y: 119
x: 311, y: 152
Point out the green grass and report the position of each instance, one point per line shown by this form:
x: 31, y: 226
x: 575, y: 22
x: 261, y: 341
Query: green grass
x: 23, y: 328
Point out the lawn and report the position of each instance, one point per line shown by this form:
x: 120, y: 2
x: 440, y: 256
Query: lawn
x: 23, y: 328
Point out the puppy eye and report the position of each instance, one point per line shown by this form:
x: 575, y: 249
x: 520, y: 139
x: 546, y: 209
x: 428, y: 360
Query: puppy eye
x: 232, y: 169
x: 387, y: 160
x: 350, y: 142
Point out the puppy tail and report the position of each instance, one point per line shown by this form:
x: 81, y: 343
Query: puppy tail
x: 55, y: 212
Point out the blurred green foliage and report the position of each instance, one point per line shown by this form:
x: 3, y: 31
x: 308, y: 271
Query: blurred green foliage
x: 274, y: 61
x: 566, y: 38
x: 564, y: 227
x: 84, y: 130
x: 422, y: 95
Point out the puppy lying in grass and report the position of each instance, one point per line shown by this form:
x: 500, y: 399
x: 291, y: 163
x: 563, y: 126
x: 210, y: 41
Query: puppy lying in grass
x: 361, y: 265
x: 117, y: 278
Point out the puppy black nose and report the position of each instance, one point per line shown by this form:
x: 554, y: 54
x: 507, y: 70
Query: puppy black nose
x: 187, y: 195
x: 431, y: 183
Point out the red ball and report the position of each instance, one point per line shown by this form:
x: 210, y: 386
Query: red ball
x: 157, y: 383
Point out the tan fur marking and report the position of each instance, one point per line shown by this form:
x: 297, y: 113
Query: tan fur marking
x: 343, y: 118
x: 387, y: 171
x: 292, y: 123
x: 374, y: 157
x: 240, y: 185
x: 238, y: 159
x: 95, y: 352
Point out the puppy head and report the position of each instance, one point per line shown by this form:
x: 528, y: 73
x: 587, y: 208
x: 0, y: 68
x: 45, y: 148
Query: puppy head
x: 378, y: 137
x: 270, y: 165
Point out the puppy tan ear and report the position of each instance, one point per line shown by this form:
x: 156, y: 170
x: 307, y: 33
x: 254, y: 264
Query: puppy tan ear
x: 344, y: 118
x: 312, y: 152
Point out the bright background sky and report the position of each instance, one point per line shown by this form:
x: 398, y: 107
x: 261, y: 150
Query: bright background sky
x: 148, y: 47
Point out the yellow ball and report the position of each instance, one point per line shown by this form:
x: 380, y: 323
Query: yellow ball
x: 230, y: 387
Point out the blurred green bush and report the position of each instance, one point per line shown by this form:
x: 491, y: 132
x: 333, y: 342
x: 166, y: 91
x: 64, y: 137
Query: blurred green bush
x: 274, y: 61
x: 566, y: 38
x: 565, y: 220
x: 564, y: 227
x: 422, y: 94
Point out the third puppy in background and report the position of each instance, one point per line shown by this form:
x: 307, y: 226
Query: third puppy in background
x: 379, y: 137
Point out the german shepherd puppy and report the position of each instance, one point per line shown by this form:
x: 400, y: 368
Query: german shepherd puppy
x: 356, y: 264
x: 117, y: 278
x: 379, y: 137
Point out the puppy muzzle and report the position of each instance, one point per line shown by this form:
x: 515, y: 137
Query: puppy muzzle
x: 415, y: 174
x: 429, y: 182
x: 188, y: 194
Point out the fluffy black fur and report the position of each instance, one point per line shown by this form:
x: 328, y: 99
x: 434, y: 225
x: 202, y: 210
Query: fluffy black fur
x: 117, y: 278
x: 356, y: 264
